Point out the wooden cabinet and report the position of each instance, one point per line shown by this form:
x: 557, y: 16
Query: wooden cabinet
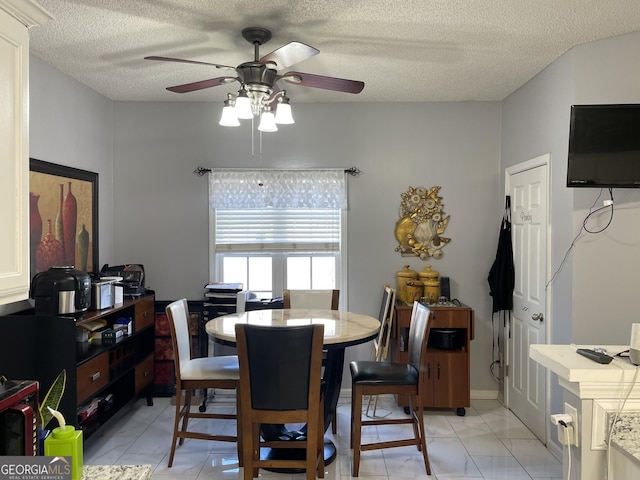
x: 15, y: 18
x: 109, y: 376
x: 447, y: 366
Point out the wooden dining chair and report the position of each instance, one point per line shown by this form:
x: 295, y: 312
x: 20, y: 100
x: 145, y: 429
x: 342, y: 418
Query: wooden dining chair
x: 324, y: 299
x: 377, y: 378
x: 280, y: 386
x: 196, y: 373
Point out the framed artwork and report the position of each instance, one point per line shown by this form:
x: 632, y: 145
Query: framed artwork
x: 63, y: 217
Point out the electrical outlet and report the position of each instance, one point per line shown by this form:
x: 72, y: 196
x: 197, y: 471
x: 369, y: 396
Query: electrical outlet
x: 566, y: 435
x: 573, y: 411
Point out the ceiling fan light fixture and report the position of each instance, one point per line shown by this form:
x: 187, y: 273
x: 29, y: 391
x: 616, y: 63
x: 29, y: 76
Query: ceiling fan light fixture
x: 283, y: 111
x: 243, y: 105
x: 267, y: 121
x: 229, y: 117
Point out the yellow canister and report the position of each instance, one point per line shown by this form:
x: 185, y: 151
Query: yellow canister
x: 414, y: 290
x: 431, y: 280
x: 402, y: 277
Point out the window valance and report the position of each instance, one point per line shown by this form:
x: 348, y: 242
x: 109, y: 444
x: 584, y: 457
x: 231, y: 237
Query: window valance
x: 244, y: 188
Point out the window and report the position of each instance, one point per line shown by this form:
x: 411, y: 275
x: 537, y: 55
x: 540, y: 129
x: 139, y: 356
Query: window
x: 295, y: 244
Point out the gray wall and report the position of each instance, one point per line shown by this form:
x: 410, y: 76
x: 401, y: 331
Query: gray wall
x: 605, y: 265
x: 153, y: 210
x: 591, y: 295
x: 72, y: 125
x: 161, y: 207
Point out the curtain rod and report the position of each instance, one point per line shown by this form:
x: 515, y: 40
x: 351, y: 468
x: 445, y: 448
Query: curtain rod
x: 353, y: 171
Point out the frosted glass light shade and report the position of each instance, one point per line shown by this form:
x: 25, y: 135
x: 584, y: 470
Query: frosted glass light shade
x: 267, y: 122
x: 243, y: 105
x: 229, y: 117
x: 283, y: 114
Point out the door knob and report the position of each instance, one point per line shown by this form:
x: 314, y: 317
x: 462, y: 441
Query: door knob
x: 538, y: 316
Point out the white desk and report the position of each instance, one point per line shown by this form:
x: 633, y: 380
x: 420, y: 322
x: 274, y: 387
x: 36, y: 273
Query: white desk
x: 597, y: 392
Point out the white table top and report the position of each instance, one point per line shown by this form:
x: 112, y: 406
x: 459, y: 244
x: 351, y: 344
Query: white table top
x: 566, y: 363
x: 340, y: 328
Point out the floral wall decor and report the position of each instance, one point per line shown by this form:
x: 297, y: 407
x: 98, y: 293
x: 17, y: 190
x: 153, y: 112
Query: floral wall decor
x: 422, y: 223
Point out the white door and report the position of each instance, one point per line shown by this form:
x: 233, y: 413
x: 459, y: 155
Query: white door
x: 525, y: 379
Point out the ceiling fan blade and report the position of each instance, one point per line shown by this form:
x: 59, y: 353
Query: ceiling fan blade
x: 320, y: 81
x: 202, y: 84
x: 289, y: 54
x: 195, y: 62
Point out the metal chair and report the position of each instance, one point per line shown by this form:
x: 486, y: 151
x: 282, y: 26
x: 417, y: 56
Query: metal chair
x: 196, y: 374
x: 280, y: 370
x: 325, y: 299
x: 377, y: 378
x: 381, y: 343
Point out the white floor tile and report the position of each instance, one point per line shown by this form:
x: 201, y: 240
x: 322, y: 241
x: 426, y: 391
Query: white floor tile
x: 534, y: 457
x: 448, y: 457
x: 488, y: 443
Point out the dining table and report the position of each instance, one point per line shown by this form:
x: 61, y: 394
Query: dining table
x: 342, y: 329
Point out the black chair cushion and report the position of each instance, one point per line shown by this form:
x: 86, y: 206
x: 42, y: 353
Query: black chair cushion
x: 365, y: 372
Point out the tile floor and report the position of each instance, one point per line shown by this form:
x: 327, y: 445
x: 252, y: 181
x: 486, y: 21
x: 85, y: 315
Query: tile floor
x: 488, y: 443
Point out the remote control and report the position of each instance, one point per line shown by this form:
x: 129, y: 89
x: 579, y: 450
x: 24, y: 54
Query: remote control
x: 595, y: 356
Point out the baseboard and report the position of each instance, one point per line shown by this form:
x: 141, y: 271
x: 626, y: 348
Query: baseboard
x: 556, y: 450
x: 484, y: 394
x: 345, y: 395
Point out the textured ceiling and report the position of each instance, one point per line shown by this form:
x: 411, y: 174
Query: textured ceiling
x: 404, y: 50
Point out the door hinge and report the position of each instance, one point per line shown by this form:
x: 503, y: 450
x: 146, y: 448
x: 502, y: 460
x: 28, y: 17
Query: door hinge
x: 506, y: 370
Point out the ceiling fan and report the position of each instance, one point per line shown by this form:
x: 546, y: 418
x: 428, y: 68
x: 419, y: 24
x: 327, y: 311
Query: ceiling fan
x: 259, y: 79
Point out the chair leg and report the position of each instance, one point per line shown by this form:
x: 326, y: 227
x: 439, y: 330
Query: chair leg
x: 419, y: 417
x: 239, y: 433
x: 320, y: 444
x: 176, y: 423
x: 185, y: 412
x: 352, y: 420
x: 334, y: 422
x: 356, y: 422
x: 311, y: 452
x: 255, y: 448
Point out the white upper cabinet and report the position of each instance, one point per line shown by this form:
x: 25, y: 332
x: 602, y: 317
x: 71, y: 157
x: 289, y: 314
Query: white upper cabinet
x: 16, y: 17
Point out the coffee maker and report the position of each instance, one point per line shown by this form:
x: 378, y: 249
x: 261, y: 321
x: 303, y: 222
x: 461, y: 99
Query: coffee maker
x: 61, y: 291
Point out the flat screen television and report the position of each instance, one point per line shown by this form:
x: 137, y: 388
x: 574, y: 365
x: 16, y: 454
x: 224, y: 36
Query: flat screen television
x: 604, y: 146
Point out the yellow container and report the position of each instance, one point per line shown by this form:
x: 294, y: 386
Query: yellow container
x: 431, y: 281
x: 414, y: 290
x: 403, y: 276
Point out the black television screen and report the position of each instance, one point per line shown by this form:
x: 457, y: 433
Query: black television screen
x: 604, y: 146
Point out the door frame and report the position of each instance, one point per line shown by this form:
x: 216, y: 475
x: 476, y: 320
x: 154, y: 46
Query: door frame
x: 541, y: 160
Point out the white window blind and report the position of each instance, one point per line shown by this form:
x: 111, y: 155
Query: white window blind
x: 276, y: 230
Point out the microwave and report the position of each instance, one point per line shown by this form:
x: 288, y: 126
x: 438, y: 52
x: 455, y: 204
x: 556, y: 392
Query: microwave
x: 19, y: 418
